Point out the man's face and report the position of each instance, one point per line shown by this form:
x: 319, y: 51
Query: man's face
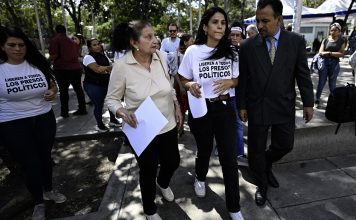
x: 235, y: 37
x: 173, y: 31
x: 267, y: 23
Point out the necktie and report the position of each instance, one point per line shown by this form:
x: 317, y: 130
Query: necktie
x: 272, y: 50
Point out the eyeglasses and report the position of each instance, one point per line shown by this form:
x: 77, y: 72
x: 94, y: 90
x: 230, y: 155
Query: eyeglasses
x: 172, y: 31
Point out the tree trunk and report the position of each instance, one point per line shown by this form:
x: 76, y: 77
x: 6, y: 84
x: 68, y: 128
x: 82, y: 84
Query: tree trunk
x: 47, y: 4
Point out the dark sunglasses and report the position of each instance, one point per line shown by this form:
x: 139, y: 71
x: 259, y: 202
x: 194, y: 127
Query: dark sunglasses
x: 173, y: 31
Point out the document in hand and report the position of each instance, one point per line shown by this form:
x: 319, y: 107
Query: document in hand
x: 150, y: 123
x: 197, y: 105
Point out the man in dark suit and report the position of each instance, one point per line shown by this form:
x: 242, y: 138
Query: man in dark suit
x: 270, y: 64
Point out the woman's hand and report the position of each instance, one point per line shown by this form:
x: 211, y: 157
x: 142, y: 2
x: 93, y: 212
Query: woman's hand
x: 243, y: 115
x: 220, y: 86
x: 49, y: 95
x: 128, y: 117
x: 178, y: 113
x: 194, y: 89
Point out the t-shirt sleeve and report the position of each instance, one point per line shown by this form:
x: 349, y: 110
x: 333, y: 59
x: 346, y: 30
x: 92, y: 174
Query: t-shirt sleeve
x: 88, y: 59
x: 185, y: 67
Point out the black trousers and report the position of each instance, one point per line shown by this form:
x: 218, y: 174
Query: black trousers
x: 65, y: 78
x: 259, y: 157
x: 162, y: 150
x: 218, y: 122
x: 30, y: 141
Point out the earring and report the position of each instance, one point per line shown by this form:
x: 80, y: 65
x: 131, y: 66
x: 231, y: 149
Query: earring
x: 137, y: 49
x: 206, y: 33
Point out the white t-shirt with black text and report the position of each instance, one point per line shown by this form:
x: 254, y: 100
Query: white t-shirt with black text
x: 196, y: 67
x: 22, y: 88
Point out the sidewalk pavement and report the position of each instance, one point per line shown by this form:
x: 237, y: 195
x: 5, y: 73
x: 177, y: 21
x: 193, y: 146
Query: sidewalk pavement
x: 322, y: 188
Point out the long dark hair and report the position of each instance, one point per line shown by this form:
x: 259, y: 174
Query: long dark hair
x: 184, y: 38
x: 124, y: 32
x: 223, y: 49
x: 33, y: 56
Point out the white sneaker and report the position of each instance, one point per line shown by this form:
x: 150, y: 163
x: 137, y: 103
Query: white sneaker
x: 236, y: 216
x: 153, y: 217
x: 39, y: 212
x: 166, y: 193
x: 199, y: 188
x: 242, y: 160
x: 54, y: 196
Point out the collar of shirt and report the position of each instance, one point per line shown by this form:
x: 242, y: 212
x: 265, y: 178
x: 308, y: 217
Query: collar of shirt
x: 131, y: 59
x: 276, y: 37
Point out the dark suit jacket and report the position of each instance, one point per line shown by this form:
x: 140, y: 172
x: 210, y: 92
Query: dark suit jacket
x: 268, y: 92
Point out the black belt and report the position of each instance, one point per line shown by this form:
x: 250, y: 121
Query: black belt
x: 219, y: 98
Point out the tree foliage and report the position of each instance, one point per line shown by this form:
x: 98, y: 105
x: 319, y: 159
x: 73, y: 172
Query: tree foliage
x: 80, y: 14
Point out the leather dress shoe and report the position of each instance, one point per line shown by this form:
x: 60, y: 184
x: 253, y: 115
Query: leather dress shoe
x: 272, y: 181
x: 260, y: 198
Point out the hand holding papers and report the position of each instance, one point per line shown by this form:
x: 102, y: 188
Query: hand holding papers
x: 150, y: 123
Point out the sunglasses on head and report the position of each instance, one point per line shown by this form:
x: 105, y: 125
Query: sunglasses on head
x: 173, y: 31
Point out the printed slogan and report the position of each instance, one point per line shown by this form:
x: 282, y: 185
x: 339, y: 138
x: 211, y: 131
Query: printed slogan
x: 20, y: 84
x: 215, y: 69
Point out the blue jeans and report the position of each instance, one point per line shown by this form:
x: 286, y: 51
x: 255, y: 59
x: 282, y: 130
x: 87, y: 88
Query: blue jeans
x: 330, y: 71
x: 239, y: 128
x: 29, y: 141
x: 97, y: 95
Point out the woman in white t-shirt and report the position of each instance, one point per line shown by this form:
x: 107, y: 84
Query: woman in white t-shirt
x: 27, y: 121
x: 210, y: 68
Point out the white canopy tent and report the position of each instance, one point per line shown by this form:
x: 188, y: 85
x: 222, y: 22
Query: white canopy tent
x: 324, y: 13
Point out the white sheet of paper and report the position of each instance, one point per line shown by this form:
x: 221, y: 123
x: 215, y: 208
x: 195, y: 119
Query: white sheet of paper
x: 150, y: 123
x: 197, y: 105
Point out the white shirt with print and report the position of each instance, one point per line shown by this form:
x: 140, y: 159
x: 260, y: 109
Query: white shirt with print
x: 22, y: 88
x: 196, y: 67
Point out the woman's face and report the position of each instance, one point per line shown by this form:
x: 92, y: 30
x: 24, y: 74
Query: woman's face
x: 95, y: 46
x: 251, y: 33
x: 15, y: 49
x: 334, y: 31
x: 147, y: 43
x: 76, y: 40
x: 215, y: 29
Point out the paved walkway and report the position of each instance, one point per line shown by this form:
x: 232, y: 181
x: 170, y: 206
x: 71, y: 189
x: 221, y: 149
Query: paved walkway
x: 322, y: 188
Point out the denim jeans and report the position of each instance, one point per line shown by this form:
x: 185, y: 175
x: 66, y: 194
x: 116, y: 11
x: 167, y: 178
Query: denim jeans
x: 330, y: 71
x: 30, y: 141
x: 239, y: 128
x: 97, y: 94
x: 218, y: 123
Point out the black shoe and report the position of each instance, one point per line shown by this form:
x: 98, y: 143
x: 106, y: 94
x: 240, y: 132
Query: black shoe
x: 272, y: 181
x: 317, y: 104
x: 260, y: 198
x: 80, y: 112
x: 64, y: 114
x: 101, y: 128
